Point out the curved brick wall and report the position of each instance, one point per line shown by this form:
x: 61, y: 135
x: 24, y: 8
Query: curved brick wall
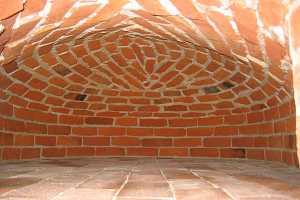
x: 146, y: 78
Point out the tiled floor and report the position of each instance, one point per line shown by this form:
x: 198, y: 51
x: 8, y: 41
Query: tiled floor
x: 148, y: 179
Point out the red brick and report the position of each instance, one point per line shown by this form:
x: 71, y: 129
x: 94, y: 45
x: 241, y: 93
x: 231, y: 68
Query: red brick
x: 126, y: 121
x: 141, y: 151
x: 69, y: 141
x: 235, y: 119
x: 233, y: 153
x: 110, y: 151
x: 35, y: 95
x: 173, y: 152
x: 68, y: 119
x: 53, y: 152
x: 201, y: 107
x: 111, y: 131
x: 30, y: 153
x: 140, y: 131
x: 96, y: 141
x: 187, y: 142
x: 156, y: 142
x: 24, y: 140
x: 243, y: 142
x: 182, y: 122
x: 175, y: 108
x: 99, y: 120
x: 217, y: 142
x: 210, y: 121
x: 11, y: 153
x: 255, y: 154
x: 204, y: 152
x: 59, y: 130
x: 14, y: 125
x: 45, y: 140
x: 255, y: 117
x: 171, y: 132
x: 153, y: 122
x: 248, y: 129
x: 201, y: 131
x: 6, y: 109
x: 36, y: 128
x: 84, y: 131
x: 80, y: 151
x: 225, y: 130
x: 125, y: 141
x: 36, y: 116
x: 273, y: 155
x: 6, y: 139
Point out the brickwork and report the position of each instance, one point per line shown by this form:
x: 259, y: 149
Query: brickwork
x: 149, y: 78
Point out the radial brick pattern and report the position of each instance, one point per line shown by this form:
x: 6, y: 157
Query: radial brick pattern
x: 168, y: 78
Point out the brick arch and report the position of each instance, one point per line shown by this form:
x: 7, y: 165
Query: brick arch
x: 148, y: 78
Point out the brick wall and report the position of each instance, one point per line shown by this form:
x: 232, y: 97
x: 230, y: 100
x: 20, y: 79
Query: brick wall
x: 150, y: 78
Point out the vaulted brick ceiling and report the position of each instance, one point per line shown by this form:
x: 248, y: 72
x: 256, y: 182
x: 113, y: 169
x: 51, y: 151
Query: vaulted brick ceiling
x: 148, y: 63
x: 216, y: 57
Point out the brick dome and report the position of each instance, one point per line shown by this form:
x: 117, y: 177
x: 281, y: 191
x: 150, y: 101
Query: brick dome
x: 168, y: 78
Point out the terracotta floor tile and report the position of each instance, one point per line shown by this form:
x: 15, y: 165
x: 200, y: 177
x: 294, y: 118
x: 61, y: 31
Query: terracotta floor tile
x: 146, y: 189
x: 148, y: 179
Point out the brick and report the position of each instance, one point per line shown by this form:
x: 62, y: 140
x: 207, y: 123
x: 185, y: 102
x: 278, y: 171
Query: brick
x: 225, y: 130
x: 173, y: 152
x: 255, y: 154
x: 182, y: 122
x: 153, y: 122
x: 175, y: 108
x: 110, y: 151
x: 217, y: 142
x: 273, y: 155
x: 243, y: 142
x: 96, y: 141
x: 201, y: 107
x: 11, y: 153
x: 204, y: 152
x: 128, y: 121
x: 36, y: 128
x: 6, y: 139
x: 69, y: 141
x: 255, y: 117
x: 30, y: 153
x: 126, y: 141
x: 59, y: 130
x: 187, y: 142
x: 80, y: 151
x: 68, y: 119
x: 53, y: 152
x: 112, y: 131
x: 6, y: 109
x: 248, y: 129
x: 170, y: 132
x: 210, y: 121
x: 139, y: 131
x: 200, y: 131
x: 235, y: 119
x: 99, y: 120
x: 156, y: 142
x: 14, y: 125
x: 142, y: 151
x: 233, y: 153
x: 45, y: 140
x: 84, y: 131
x: 24, y: 140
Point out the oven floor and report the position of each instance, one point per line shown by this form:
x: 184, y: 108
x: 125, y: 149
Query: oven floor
x: 148, y: 179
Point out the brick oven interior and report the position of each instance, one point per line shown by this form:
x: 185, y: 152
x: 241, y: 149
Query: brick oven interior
x: 149, y: 99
